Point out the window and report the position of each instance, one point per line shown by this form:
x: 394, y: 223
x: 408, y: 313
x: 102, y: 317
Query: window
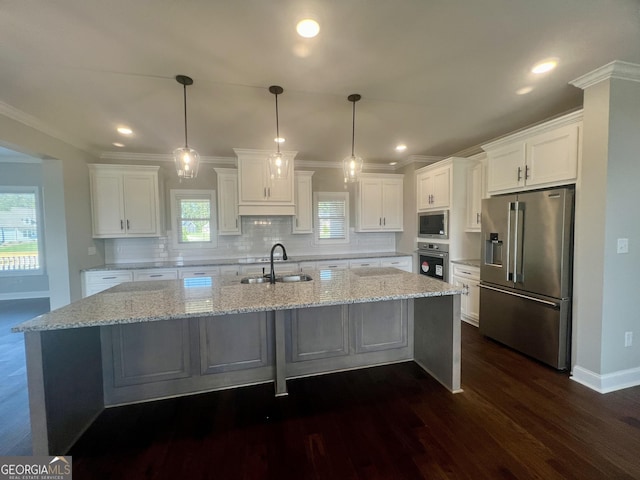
x: 193, y: 218
x: 20, y: 237
x: 331, y: 213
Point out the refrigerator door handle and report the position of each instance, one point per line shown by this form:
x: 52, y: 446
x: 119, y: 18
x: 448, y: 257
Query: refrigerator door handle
x: 518, y: 241
x: 520, y: 295
x: 508, y: 271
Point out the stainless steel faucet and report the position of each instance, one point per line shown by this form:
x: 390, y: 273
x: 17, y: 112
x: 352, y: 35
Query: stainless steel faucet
x: 272, y: 275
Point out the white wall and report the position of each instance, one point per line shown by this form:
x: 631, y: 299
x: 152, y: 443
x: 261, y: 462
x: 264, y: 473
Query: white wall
x: 20, y: 137
x: 606, y: 288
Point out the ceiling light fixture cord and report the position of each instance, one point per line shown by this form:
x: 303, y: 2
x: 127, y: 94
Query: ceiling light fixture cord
x: 277, y: 126
x: 353, y: 127
x: 184, y: 88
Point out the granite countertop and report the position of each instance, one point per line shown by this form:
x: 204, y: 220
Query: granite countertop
x: 243, y: 261
x: 468, y: 262
x: 135, y: 302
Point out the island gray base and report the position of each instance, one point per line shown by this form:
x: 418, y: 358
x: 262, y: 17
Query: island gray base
x: 74, y: 374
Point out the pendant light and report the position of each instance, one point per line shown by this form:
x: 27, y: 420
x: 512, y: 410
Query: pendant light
x: 278, y: 163
x: 187, y: 159
x: 352, y: 166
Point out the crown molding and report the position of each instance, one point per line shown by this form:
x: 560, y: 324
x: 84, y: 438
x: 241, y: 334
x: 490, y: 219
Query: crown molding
x: 13, y: 113
x: 163, y: 157
x: 616, y: 69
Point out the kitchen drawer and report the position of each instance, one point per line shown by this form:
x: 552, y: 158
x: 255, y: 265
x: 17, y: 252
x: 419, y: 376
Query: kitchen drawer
x: 401, y: 263
x: 465, y: 271
x: 113, y: 276
x: 155, y: 274
x: 191, y: 272
x: 307, y: 266
x: 333, y: 265
x: 364, y: 263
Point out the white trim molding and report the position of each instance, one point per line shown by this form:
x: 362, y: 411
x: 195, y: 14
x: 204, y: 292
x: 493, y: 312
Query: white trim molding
x: 164, y: 157
x: 609, y: 382
x: 616, y: 69
x: 13, y: 113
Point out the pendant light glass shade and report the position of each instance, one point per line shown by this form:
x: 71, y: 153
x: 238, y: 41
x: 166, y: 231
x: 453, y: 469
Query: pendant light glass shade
x: 187, y: 160
x: 278, y: 163
x: 352, y: 165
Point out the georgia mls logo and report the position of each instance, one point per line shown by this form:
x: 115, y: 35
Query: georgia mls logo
x: 35, y: 468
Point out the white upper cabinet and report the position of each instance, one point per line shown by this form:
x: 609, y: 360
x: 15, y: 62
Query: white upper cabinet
x: 542, y: 156
x: 258, y: 193
x: 434, y: 187
x: 303, y: 219
x: 228, y: 218
x: 379, y: 203
x: 124, y: 201
x: 475, y: 193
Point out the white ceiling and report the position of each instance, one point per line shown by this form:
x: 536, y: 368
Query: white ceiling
x: 438, y: 75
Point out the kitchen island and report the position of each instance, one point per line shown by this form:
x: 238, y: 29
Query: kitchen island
x: 149, y: 340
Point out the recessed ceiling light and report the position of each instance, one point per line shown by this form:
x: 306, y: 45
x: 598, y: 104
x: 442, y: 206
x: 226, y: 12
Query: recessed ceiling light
x: 278, y: 140
x: 307, y: 28
x: 401, y: 148
x: 524, y: 90
x: 545, y: 66
x: 118, y: 144
x: 124, y: 130
x: 393, y: 163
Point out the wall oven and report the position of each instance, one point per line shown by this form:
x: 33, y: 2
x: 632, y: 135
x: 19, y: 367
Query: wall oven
x: 433, y: 260
x: 433, y: 224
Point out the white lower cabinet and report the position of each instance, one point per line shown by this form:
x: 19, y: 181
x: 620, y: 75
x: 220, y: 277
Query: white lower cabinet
x: 195, y: 272
x: 364, y: 263
x: 333, y: 265
x: 94, y: 282
x: 468, y: 278
x: 155, y: 274
x: 401, y: 263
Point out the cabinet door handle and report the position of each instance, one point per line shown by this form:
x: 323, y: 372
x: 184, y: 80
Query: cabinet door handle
x: 478, y: 217
x: 519, y: 173
x: 127, y: 224
x: 526, y: 172
x: 236, y: 223
x: 296, y: 221
x: 380, y: 221
x: 269, y: 191
x: 384, y: 220
x: 121, y: 225
x: 265, y: 192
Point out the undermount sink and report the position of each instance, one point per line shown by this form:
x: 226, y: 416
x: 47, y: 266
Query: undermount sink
x: 294, y: 278
x: 254, y: 280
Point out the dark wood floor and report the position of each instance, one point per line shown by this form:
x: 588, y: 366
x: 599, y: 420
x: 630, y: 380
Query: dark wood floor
x: 15, y: 436
x: 516, y: 419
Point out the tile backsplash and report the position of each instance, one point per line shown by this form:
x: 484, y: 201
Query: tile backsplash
x: 258, y: 236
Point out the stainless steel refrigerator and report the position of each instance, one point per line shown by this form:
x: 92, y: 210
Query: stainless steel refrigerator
x: 526, y: 273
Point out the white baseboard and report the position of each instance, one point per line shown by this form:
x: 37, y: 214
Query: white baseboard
x: 609, y: 382
x: 23, y: 295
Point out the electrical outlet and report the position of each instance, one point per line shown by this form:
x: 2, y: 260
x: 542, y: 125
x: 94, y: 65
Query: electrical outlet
x: 623, y: 245
x: 628, y: 339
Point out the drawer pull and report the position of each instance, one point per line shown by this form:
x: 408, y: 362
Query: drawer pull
x: 156, y: 275
x: 109, y: 278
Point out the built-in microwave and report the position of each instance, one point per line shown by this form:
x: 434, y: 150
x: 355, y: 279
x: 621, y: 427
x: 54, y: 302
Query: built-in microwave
x: 433, y: 224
